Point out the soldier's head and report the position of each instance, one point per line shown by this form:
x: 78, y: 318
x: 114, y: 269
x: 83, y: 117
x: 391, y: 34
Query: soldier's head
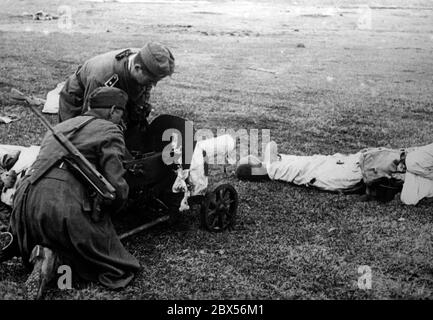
x: 151, y: 64
x: 107, y: 103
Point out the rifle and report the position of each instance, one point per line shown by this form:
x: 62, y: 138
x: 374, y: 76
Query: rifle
x: 75, y: 159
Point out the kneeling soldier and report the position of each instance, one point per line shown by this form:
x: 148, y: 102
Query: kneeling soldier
x: 53, y: 221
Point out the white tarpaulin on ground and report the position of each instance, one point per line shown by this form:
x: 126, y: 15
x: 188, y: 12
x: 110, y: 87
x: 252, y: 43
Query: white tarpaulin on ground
x: 418, y: 183
x: 52, y: 103
x: 331, y: 173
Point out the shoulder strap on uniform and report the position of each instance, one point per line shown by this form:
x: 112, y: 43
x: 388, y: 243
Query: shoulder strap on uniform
x: 112, y: 80
x: 123, y: 54
x: 80, y: 126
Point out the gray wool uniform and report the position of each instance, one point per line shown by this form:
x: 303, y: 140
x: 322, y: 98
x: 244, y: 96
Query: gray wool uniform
x: 53, y: 209
x: 108, y: 69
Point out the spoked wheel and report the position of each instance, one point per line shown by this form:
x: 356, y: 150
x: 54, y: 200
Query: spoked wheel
x: 219, y: 208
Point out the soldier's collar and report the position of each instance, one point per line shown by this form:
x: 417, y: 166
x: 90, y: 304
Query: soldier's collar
x: 131, y: 61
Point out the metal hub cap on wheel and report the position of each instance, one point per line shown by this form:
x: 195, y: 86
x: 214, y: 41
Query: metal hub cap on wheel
x: 219, y: 208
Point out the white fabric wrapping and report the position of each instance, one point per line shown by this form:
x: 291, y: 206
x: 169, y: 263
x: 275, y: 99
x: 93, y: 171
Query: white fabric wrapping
x: 52, y: 103
x: 331, y: 173
x: 180, y: 185
x: 415, y: 188
x: 419, y: 161
x: 216, y: 149
x: 418, y: 183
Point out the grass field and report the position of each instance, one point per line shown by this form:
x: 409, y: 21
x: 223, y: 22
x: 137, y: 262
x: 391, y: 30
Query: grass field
x: 351, y: 86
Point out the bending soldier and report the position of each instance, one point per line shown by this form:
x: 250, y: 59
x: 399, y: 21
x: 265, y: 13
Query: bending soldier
x: 133, y: 71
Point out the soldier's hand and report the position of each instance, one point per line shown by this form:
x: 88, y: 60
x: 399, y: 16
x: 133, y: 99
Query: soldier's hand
x: 147, y: 109
x: 143, y: 112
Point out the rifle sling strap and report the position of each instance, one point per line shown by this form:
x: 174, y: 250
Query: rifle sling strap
x: 79, y: 127
x: 35, y: 176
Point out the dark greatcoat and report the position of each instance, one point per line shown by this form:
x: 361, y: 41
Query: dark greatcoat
x: 94, y: 73
x: 52, y: 208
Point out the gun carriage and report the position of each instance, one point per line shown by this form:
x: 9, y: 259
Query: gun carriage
x: 150, y: 178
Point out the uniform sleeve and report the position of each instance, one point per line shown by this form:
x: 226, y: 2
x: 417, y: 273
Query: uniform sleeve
x: 137, y: 109
x: 111, y: 164
x: 91, y: 84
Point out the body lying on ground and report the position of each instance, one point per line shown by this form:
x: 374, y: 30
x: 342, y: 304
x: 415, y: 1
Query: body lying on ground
x: 412, y: 168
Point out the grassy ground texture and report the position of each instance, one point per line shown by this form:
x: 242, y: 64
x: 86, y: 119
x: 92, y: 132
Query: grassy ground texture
x: 363, y: 78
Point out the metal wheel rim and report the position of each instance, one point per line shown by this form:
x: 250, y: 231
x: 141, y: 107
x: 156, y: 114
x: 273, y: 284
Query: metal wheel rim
x: 221, y: 208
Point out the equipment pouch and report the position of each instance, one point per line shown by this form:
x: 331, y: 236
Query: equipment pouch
x: 92, y: 206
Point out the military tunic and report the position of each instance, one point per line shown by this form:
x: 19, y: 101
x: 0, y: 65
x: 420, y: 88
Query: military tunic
x: 96, y: 72
x: 53, y: 209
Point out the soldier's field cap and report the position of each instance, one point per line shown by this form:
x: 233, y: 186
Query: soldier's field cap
x: 106, y: 97
x: 157, y: 59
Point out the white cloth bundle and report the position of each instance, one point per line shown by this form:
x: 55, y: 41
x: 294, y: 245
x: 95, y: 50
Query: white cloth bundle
x: 217, y: 149
x: 180, y: 185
